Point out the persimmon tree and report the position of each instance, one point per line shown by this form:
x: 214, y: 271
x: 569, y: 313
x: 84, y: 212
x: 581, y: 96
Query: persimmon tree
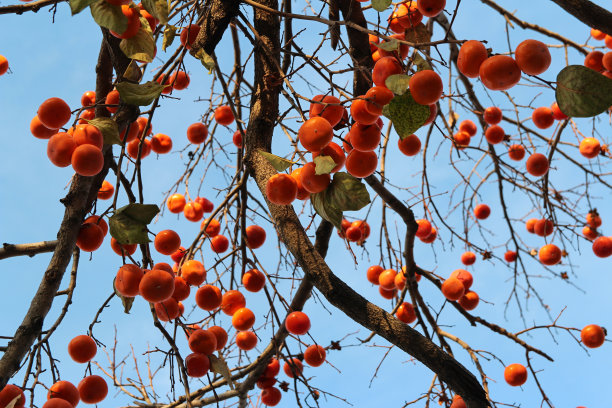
x: 501, y: 161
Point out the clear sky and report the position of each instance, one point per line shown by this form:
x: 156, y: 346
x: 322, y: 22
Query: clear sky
x: 57, y: 59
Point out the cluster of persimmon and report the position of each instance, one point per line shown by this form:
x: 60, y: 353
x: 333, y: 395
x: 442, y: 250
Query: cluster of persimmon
x: 63, y: 394
x: 357, y: 231
x: 389, y: 282
x: 597, y: 60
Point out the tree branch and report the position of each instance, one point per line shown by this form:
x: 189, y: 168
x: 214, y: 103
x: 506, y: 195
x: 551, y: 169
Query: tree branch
x: 35, y: 248
x: 589, y: 13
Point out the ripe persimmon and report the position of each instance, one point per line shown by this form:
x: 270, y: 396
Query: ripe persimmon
x: 557, y: 114
x: 482, y: 211
x: 253, y: 280
x: 327, y: 107
x: 598, y: 35
x: 135, y: 145
x: 220, y: 334
x: 386, y: 279
x: 271, y: 396
x: 208, y: 297
x: 384, y: 68
x: 405, y: 312
x: 231, y: 301
x: 156, y: 285
x: 206, y: 204
x: 161, y: 143
x: 92, y: 389
x: 128, y: 279
x: 495, y: 134
x: 387, y: 294
x: 510, y: 256
x: 197, y: 365
x: 106, y: 191
x: 550, y: 254
x: 237, y: 139
x: 202, y: 341
x: 193, y: 211
x: 593, y: 219
x: 82, y: 348
x: 64, y: 390
x: 99, y: 221
x: 602, y: 247
x: 592, y: 336
x: 188, y: 35
x: 469, y: 127
x: 499, y: 73
x: 431, y: 8
x: 464, y: 276
x: 112, y: 98
x: 167, y: 310
x: 281, y: 189
x: 90, y: 237
x: 179, y: 80
x: 166, y: 242
x: 219, y: 243
x: 515, y: 375
x: 469, y: 300
x: 544, y: 227
x: 246, y: 340
x: 87, y: 160
x: 181, y: 289
x: 193, y: 272
x: 361, y: 164
x: 426, y: 87
x: 542, y: 117
x: 471, y: 56
x: 314, y: 355
x: 590, y: 233
x: 4, y: 65
x: 243, y: 319
x: 461, y: 139
x: 410, y: 145
x: 453, y: 289
x: 197, y: 132
x: 516, y: 152
x: 530, y: 225
x: 594, y: 60
x: 373, y: 273
x: 133, y: 22
x: 589, y: 147
x: 336, y: 153
x: 532, y: 57
x: 212, y: 229
x: 315, y: 133
x: 297, y: 323
x: 224, y: 115
x: 39, y: 130
x: 60, y: 148
x: 293, y: 368
x: 176, y: 203
x: 537, y: 165
x: 492, y: 115
x: 468, y: 258
x: 54, y: 113
x: 431, y: 237
x: 424, y: 228
x: 458, y: 402
x: 377, y: 97
x: 360, y: 113
x: 312, y: 182
x: 364, y: 138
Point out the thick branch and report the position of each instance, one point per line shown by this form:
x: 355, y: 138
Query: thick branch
x: 589, y: 13
x: 215, y: 20
x: 10, y: 250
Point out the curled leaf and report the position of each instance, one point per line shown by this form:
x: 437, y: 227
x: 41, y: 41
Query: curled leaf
x: 206, y: 60
x: 398, y: 83
x: 139, y: 94
x: 140, y: 47
x: 323, y: 165
x: 345, y: 193
x: 219, y: 366
x: 109, y: 16
x: 108, y: 128
x: 169, y: 34
x: 406, y: 114
x: 128, y: 224
x: 582, y: 92
x: 277, y: 162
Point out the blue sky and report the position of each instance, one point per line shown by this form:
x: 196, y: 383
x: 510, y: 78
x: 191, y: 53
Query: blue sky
x: 58, y: 59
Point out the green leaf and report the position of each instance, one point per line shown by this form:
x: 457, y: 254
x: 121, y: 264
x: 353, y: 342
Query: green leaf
x: 169, y: 34
x: 108, y: 128
x: 158, y: 9
x: 398, y: 83
x: 380, y: 5
x: 126, y: 301
x: 140, y: 47
x: 139, y: 94
x: 324, y: 165
x: 326, y: 209
x: 205, y: 59
x: 392, y: 45
x: 421, y: 63
x: 583, y: 92
x: 407, y: 115
x: 109, y: 16
x: 278, y: 163
x: 128, y: 224
x: 345, y: 193
x: 76, y: 6
x: 219, y: 366
x: 133, y: 72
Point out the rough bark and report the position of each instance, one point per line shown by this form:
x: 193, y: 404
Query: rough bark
x: 214, y: 21
x: 589, y: 13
